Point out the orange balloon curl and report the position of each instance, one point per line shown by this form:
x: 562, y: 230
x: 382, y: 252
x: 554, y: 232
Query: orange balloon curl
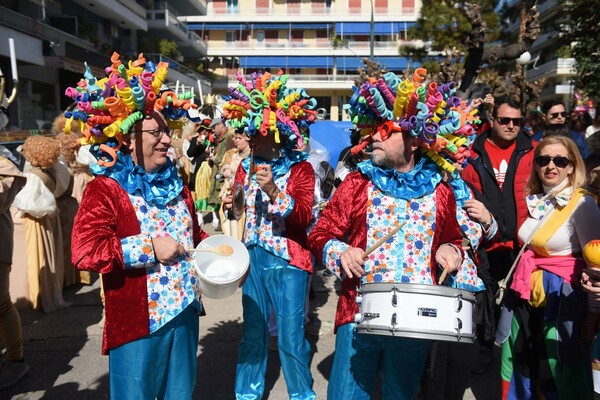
x: 419, y: 76
x: 114, y: 59
x: 115, y: 107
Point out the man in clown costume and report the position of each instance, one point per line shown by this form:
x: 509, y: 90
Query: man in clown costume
x: 134, y: 224
x: 278, y: 184
x: 397, y: 187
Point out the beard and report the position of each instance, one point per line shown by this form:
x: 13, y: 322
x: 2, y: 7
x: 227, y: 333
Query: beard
x: 384, y: 161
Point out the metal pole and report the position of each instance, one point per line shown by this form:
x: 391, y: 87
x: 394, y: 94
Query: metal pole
x: 523, y: 73
x: 372, y: 36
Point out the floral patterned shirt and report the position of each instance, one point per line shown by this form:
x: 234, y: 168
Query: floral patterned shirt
x: 265, y: 222
x: 172, y: 287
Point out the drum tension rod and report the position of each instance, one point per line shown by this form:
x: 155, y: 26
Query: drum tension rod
x: 394, y: 296
x: 459, y: 328
x: 459, y: 302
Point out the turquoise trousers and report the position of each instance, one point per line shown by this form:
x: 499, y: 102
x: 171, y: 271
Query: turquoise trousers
x: 359, y: 358
x: 161, y: 365
x: 273, y: 282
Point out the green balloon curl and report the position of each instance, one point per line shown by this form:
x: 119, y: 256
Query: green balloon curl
x: 130, y: 121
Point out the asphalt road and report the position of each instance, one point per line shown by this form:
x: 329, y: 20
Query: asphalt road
x: 63, y: 351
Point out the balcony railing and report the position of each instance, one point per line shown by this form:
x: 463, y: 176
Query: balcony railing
x: 312, y: 78
x: 356, y: 46
x: 174, y: 65
x: 307, y: 12
x: 560, y: 66
x: 163, y: 12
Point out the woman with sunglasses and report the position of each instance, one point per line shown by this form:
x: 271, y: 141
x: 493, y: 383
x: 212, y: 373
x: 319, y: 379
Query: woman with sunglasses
x: 544, y: 351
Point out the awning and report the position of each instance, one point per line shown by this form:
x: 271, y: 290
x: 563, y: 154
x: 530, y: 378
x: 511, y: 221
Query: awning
x: 208, y: 26
x: 364, y: 28
x: 390, y: 63
x: 286, y: 62
x: 216, y: 27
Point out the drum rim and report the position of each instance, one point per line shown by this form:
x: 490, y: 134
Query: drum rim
x: 376, y: 287
x: 432, y: 334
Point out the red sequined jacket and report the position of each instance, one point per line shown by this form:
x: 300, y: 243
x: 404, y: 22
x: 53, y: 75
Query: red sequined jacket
x: 345, y: 218
x: 105, y: 216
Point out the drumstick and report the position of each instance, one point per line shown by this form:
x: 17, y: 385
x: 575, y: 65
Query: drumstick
x: 444, y: 273
x: 382, y: 240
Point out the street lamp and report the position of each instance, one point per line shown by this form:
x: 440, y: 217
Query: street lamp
x: 372, y: 35
x: 523, y: 60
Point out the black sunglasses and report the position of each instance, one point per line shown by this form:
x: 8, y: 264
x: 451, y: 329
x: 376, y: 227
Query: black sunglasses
x: 562, y: 114
x: 559, y: 161
x: 507, y: 120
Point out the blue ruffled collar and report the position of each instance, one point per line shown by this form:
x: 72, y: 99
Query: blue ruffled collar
x: 421, y: 181
x: 281, y: 165
x: 460, y: 189
x: 157, y: 188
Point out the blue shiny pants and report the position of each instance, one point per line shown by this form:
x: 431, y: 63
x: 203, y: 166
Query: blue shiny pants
x: 359, y: 357
x: 272, y: 281
x: 161, y: 365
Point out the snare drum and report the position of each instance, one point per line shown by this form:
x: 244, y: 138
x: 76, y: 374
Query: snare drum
x: 415, y: 311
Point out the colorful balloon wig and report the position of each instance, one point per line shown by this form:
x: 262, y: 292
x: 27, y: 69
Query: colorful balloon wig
x: 108, y: 108
x: 264, y: 105
x: 443, y: 121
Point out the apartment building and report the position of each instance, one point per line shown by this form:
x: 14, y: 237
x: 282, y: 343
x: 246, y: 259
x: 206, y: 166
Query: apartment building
x: 54, y: 37
x: 320, y: 43
x: 546, y: 58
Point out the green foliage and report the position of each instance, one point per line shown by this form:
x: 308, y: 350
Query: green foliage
x: 168, y: 48
x: 444, y: 24
x: 582, y: 32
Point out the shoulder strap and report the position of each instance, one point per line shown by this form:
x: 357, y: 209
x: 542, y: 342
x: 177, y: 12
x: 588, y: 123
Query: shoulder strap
x: 558, y: 218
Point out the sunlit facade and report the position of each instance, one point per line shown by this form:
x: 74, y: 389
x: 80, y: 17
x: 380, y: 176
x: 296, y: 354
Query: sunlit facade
x: 320, y: 43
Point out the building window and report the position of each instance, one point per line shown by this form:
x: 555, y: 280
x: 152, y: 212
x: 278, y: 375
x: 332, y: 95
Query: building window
x: 354, y: 6
x: 297, y: 36
x: 230, y: 38
x: 381, y: 6
x: 232, y: 7
x: 260, y: 38
x: 219, y: 6
x: 263, y: 6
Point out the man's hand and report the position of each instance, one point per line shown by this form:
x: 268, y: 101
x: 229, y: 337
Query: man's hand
x: 264, y: 178
x: 477, y: 211
x: 227, y: 202
x: 352, y: 261
x: 489, y: 101
x: 166, y: 249
x: 448, y: 256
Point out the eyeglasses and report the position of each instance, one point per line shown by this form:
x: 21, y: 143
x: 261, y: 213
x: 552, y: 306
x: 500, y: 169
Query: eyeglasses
x: 158, y: 133
x: 507, y: 120
x: 559, y: 161
x: 555, y: 115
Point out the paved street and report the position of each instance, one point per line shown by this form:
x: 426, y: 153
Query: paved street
x: 63, y: 350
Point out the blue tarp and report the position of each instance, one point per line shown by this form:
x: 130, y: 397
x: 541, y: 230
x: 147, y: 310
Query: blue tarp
x: 333, y: 135
x: 364, y: 28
